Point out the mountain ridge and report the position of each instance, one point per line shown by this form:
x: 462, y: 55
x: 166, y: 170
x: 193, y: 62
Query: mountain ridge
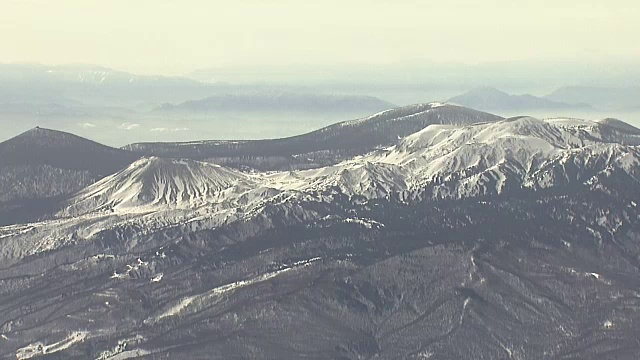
x: 443, y: 161
x: 348, y: 138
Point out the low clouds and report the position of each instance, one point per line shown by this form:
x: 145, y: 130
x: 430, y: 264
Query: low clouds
x: 128, y: 126
x: 169, y: 129
x: 133, y: 126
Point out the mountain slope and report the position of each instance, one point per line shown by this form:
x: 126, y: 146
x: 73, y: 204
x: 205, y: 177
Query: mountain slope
x: 540, y: 277
x: 493, y: 99
x: 41, y: 146
x: 41, y: 164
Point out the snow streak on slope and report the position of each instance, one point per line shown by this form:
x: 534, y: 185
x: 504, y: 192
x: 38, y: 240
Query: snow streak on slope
x: 40, y: 349
x: 202, y: 299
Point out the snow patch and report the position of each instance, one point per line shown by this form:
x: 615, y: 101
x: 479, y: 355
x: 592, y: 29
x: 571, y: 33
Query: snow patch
x: 130, y: 268
x: 117, y: 275
x: 39, y: 349
x: 120, y: 350
x: 367, y: 223
x: 130, y: 354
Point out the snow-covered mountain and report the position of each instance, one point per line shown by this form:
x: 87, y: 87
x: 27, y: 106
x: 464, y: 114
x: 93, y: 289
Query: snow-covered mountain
x: 451, y: 158
x: 470, y: 236
x: 325, y: 146
x: 509, y: 155
x: 461, y: 161
x: 152, y: 183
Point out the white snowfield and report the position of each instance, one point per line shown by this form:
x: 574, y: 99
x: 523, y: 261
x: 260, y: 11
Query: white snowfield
x: 438, y: 162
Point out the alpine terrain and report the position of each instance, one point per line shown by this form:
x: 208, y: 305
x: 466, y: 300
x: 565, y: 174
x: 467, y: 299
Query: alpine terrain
x: 431, y: 231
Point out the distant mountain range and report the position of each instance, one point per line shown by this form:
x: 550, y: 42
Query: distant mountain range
x: 581, y: 98
x: 91, y: 86
x: 491, y: 99
x: 427, y: 231
x: 25, y: 86
x: 627, y: 98
x: 279, y: 101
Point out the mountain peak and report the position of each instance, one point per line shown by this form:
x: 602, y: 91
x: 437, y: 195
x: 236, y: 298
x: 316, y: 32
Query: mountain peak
x: 154, y: 182
x: 39, y: 131
x: 42, y: 146
x: 40, y: 136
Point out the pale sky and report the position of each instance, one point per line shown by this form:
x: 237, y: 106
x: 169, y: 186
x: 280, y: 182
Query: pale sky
x: 176, y: 37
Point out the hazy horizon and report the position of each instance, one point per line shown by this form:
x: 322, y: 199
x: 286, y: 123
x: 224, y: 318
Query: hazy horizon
x: 168, y: 38
x: 401, y: 52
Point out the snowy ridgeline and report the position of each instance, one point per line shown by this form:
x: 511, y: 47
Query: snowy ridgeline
x: 441, y: 161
